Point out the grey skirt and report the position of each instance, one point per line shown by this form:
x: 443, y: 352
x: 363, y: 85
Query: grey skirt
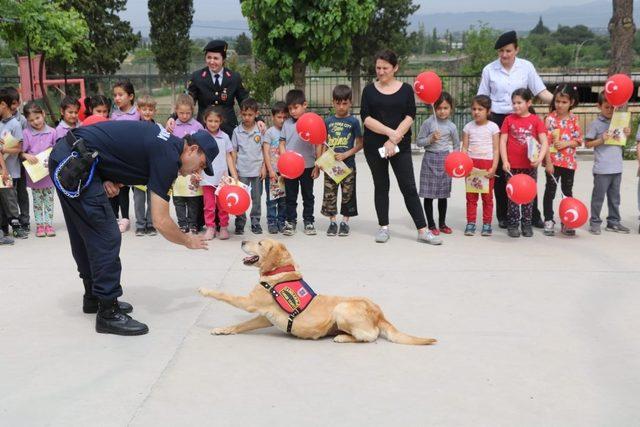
x: 434, y: 181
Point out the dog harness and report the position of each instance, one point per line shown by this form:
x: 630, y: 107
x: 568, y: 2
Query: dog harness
x: 293, y: 296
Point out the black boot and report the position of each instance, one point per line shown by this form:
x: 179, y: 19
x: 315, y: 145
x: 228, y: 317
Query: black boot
x: 110, y: 320
x: 90, y: 305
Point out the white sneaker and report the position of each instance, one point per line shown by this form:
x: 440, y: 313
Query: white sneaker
x: 428, y: 237
x: 549, y: 228
x: 382, y: 236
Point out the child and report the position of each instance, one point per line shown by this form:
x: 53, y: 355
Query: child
x: 481, y: 140
x: 213, y: 117
x: 344, y: 136
x: 271, y: 153
x: 566, y: 136
x: 607, y: 170
x: 124, y: 98
x: 21, y: 184
x: 98, y: 105
x: 9, y: 125
x: 69, y: 108
x: 142, y: 198
x: 291, y: 141
x: 39, y: 137
x: 518, y: 131
x: 188, y: 209
x: 439, y: 136
x: 247, y: 143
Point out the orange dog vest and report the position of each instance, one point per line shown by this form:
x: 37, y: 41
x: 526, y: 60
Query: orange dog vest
x: 292, y: 296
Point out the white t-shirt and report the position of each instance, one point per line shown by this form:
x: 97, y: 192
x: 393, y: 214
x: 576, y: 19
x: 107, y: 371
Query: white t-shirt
x: 481, y: 139
x: 219, y: 164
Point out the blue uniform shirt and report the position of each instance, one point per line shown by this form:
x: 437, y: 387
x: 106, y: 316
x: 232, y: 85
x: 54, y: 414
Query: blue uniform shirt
x: 135, y: 153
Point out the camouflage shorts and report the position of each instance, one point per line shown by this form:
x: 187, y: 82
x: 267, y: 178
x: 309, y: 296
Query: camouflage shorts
x: 348, y: 205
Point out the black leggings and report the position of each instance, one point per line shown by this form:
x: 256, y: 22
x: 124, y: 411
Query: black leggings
x: 402, y: 166
x: 442, y: 212
x: 565, y: 176
x: 121, y: 202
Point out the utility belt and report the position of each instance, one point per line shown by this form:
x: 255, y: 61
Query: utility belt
x: 75, y: 173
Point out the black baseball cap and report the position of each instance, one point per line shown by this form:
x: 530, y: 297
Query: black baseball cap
x: 208, y: 144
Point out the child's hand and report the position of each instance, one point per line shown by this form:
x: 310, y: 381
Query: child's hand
x: 506, y: 167
x: 436, y: 136
x: 340, y: 157
x: 606, y: 136
x: 560, y: 145
x: 536, y: 163
x: 263, y: 174
x: 195, y: 179
x: 315, y: 172
x: 273, y: 176
x: 549, y: 168
x: 30, y: 158
x: 626, y: 131
x: 490, y: 173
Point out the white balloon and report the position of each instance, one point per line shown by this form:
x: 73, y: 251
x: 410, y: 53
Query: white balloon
x: 235, y: 198
x: 458, y: 172
x: 418, y: 87
x: 610, y: 90
x: 571, y: 213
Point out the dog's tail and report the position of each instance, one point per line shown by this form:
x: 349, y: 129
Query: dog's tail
x: 388, y: 331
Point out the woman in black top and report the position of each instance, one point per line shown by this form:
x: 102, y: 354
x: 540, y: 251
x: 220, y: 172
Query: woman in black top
x: 387, y: 111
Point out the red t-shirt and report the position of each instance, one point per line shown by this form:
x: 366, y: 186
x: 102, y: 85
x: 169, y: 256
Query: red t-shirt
x: 520, y: 129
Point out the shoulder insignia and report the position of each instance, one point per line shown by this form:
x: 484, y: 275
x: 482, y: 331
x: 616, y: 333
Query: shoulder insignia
x: 228, y: 73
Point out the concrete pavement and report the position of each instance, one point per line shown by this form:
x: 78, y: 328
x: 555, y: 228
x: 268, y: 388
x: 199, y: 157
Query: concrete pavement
x: 539, y: 331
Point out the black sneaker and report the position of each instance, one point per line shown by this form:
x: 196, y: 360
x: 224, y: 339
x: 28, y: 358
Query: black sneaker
x: 26, y: 227
x: 513, y: 232
x: 617, y: 228
x: 150, y: 230
x: 110, y: 320
x: 344, y: 229
x: 239, y: 230
x: 527, y: 231
x: 256, y: 229
x: 272, y: 228
x: 333, y: 229
x: 502, y: 224
x: 309, y: 229
x: 289, y: 228
x: 20, y: 233
x: 185, y: 230
x: 281, y: 227
x: 139, y: 231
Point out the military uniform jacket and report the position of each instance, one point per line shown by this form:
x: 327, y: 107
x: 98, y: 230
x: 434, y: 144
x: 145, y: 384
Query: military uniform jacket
x: 203, y: 91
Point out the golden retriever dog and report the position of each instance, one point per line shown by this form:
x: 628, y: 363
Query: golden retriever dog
x: 348, y: 319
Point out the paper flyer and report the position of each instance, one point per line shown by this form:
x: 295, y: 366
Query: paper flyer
x: 619, y: 121
x: 555, y: 137
x: 533, y: 149
x: 141, y: 187
x: 477, y: 181
x: 38, y: 170
x: 182, y: 187
x: 9, y: 142
x: 276, y: 189
x: 336, y: 169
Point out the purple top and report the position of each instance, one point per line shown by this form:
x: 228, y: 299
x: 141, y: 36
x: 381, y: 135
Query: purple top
x: 63, y: 128
x: 132, y: 114
x: 35, y: 142
x: 186, y: 128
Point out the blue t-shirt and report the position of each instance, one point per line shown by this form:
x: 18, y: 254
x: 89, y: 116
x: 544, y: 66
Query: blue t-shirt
x: 341, y: 135
x: 135, y: 153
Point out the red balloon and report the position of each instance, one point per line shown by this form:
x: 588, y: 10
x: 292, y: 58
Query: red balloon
x: 234, y: 199
x: 521, y: 189
x: 93, y: 119
x: 291, y: 164
x: 573, y: 213
x: 428, y: 87
x: 311, y: 128
x: 458, y: 164
x: 618, y: 89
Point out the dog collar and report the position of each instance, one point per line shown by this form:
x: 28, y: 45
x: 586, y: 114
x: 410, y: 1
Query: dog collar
x: 283, y: 269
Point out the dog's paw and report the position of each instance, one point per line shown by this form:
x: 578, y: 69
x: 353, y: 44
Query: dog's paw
x: 222, y: 331
x: 344, y: 338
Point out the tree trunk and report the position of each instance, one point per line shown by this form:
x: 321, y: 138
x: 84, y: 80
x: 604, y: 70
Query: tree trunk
x: 299, y: 74
x: 355, y: 83
x: 43, y: 88
x: 622, y: 30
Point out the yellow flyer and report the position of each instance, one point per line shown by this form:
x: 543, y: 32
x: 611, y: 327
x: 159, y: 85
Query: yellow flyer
x: 141, y: 187
x: 555, y: 137
x: 38, y: 170
x: 477, y: 181
x: 182, y: 187
x: 619, y: 121
x: 9, y: 142
x: 336, y: 169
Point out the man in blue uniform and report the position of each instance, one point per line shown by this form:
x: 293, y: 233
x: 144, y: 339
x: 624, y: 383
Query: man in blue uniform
x: 128, y: 153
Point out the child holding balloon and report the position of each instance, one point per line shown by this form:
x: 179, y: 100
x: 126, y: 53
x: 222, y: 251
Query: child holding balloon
x: 607, y: 169
x: 566, y: 136
x: 439, y: 136
x: 519, y: 131
x: 481, y: 140
x: 271, y: 151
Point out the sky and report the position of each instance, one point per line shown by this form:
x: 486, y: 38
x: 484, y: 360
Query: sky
x: 208, y: 10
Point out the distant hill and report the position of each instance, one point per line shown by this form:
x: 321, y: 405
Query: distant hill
x: 595, y: 14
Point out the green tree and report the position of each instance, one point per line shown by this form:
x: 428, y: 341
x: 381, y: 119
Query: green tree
x: 540, y: 28
x: 573, y: 35
x: 112, y: 38
x: 387, y: 29
x: 479, y: 48
x: 170, y: 25
x: 289, y: 35
x: 243, y: 45
x: 53, y: 32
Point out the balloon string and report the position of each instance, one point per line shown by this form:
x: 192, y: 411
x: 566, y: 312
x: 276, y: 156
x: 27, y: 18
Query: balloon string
x: 557, y: 185
x: 435, y: 118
